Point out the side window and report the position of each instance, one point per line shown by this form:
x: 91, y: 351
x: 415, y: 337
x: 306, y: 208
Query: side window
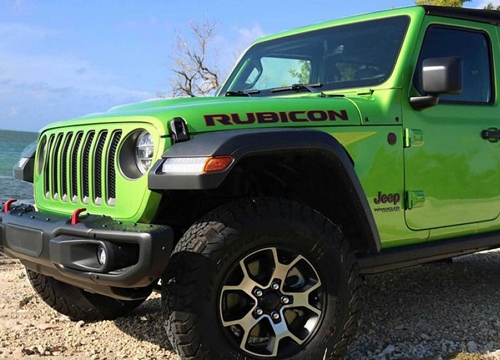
x: 473, y: 47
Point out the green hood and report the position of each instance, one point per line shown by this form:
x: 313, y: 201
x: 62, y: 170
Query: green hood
x: 230, y: 113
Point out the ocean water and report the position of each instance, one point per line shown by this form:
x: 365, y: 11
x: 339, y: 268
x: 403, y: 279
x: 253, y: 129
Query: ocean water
x: 12, y: 144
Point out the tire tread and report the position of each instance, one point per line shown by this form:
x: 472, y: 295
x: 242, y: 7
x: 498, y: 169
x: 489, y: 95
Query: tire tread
x: 208, y: 237
x: 75, y: 303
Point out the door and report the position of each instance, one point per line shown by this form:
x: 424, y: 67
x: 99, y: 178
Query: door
x: 452, y: 173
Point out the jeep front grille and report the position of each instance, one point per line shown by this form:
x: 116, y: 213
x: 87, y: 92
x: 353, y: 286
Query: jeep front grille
x: 79, y: 167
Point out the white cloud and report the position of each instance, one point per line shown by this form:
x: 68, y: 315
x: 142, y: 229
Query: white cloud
x: 234, y: 43
x: 13, y: 111
x: 21, y: 6
x: 51, y: 74
x: 14, y: 32
x: 248, y: 35
x: 483, y: 3
x: 146, y: 24
x: 41, y: 88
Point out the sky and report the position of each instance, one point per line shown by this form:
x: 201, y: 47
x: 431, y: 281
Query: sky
x: 65, y: 59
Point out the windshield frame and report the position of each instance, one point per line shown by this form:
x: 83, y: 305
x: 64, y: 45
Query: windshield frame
x: 252, y: 59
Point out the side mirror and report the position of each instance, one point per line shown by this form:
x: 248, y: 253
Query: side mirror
x: 24, y: 169
x: 439, y: 76
x: 442, y: 75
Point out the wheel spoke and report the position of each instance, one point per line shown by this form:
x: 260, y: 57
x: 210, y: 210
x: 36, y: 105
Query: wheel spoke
x: 246, y: 285
x: 281, y: 270
x: 247, y: 322
x: 301, y: 299
x: 272, y: 281
x: 281, y: 332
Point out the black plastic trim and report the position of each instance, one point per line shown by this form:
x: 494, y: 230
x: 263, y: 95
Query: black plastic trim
x: 404, y: 256
x: 490, y: 134
x: 240, y: 144
x: 43, y: 243
x: 244, y: 143
x: 485, y: 16
x: 25, y: 172
x: 178, y: 130
x: 423, y: 102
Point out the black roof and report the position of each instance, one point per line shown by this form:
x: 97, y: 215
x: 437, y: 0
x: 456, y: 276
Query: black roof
x: 485, y: 16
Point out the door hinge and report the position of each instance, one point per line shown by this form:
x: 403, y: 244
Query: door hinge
x: 178, y: 130
x: 414, y: 199
x: 413, y: 137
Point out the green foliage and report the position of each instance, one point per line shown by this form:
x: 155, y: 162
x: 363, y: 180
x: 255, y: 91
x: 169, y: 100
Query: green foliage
x: 490, y: 6
x: 302, y: 75
x: 453, y: 3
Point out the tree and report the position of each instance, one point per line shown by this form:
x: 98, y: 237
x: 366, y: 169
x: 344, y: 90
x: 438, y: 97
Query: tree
x: 490, y: 6
x: 302, y: 74
x: 195, y: 70
x: 453, y: 3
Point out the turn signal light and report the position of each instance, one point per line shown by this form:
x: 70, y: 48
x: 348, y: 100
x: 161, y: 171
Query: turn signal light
x: 217, y: 164
x: 197, y: 165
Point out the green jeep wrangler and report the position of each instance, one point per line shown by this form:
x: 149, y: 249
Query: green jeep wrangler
x: 332, y: 151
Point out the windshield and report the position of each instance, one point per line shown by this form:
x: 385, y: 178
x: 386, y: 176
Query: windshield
x: 355, y: 55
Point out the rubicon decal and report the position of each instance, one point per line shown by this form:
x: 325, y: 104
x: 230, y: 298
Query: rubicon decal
x: 269, y: 117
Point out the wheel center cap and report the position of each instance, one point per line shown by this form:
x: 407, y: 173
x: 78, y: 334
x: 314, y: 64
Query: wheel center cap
x: 270, y: 301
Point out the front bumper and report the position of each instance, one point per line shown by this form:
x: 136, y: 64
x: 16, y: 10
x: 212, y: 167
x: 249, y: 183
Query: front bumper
x: 48, y: 244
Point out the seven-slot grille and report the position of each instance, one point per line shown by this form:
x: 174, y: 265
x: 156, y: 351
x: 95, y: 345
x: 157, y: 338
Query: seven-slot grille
x: 79, y: 166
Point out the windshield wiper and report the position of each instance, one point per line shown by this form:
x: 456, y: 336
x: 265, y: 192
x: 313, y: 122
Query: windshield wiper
x: 242, y: 92
x: 299, y: 87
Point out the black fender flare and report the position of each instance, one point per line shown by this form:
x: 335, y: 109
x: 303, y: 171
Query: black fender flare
x: 244, y: 143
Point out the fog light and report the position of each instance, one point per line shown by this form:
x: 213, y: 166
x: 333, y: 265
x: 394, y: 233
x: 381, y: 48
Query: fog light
x: 102, y: 255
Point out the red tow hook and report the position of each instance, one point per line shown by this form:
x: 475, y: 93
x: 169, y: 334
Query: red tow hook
x: 7, y: 204
x: 75, y: 216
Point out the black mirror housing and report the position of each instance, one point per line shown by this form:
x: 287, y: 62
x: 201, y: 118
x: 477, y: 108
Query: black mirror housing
x: 439, y: 76
x: 24, y: 169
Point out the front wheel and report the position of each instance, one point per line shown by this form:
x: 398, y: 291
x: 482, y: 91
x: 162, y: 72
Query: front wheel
x: 262, y: 278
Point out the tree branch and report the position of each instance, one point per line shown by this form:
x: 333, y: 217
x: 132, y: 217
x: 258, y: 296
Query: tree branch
x: 196, y: 72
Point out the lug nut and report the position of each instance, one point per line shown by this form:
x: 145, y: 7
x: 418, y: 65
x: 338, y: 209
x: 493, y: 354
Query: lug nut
x: 285, y: 300
x: 258, y: 292
x: 275, y: 286
x: 259, y: 312
x: 275, y: 315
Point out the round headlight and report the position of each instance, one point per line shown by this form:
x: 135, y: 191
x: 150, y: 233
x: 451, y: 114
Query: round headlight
x: 144, y: 150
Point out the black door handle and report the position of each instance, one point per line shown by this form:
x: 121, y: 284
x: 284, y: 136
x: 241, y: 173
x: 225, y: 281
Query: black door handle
x: 490, y: 134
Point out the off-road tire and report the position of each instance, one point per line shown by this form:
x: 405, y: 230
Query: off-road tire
x: 76, y: 303
x: 212, y: 248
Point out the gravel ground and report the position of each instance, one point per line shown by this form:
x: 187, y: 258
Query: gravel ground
x: 434, y: 311
x: 30, y: 329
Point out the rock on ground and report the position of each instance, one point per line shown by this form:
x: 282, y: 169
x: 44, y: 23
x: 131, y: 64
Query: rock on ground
x: 432, y: 311
x: 30, y: 329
